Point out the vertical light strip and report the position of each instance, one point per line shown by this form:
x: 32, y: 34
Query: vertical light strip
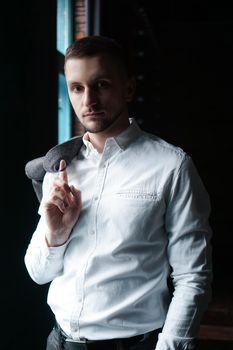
x: 64, y: 39
x: 97, y: 17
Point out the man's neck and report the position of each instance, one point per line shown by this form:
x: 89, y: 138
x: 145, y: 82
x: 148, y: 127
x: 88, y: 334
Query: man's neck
x: 98, y: 140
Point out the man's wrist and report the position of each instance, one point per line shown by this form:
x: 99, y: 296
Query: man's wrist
x: 52, y: 242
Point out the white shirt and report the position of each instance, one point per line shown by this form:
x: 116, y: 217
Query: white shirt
x: 145, y: 210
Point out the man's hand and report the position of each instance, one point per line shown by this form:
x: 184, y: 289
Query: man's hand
x: 61, y: 209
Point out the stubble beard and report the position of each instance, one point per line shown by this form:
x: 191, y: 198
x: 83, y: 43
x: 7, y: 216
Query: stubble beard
x: 102, y: 124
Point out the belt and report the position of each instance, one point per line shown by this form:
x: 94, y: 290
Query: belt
x: 85, y: 344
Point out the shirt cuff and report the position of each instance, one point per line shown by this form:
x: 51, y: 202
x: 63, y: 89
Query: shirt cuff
x: 53, y: 252
x: 169, y: 342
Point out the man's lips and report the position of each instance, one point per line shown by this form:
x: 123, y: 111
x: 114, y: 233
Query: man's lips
x: 93, y: 114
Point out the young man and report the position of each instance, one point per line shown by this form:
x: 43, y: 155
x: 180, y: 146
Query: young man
x: 121, y: 211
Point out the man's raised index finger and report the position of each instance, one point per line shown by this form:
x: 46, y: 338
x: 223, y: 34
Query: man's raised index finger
x: 62, y: 171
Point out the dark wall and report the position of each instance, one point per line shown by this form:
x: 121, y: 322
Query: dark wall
x: 28, y: 128
x: 184, y: 97
x: 184, y: 52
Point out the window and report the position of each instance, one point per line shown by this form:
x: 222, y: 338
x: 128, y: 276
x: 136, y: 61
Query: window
x: 75, y: 19
x: 64, y: 38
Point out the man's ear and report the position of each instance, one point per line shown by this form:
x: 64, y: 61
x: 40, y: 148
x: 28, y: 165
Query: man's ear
x: 130, y: 88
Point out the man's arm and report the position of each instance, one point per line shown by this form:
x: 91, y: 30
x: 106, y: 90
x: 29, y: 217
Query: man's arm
x: 60, y: 210
x: 43, y: 263
x: 189, y: 254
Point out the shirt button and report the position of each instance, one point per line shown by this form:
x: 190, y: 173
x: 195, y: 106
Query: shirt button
x: 93, y: 232
x: 96, y: 198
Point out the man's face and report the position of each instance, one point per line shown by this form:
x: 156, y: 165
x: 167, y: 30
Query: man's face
x: 98, y: 91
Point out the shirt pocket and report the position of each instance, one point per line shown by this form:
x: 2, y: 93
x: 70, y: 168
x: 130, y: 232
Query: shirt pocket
x: 135, y: 214
x: 137, y: 197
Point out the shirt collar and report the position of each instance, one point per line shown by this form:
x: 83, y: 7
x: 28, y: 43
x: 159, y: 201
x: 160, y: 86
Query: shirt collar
x: 128, y: 135
x: 90, y: 149
x: 122, y: 140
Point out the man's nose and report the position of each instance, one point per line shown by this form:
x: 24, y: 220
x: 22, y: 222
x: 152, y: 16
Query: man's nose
x: 89, y: 97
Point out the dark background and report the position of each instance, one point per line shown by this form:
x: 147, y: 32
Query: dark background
x: 183, y: 54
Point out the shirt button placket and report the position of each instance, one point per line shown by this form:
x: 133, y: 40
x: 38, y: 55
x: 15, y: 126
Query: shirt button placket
x: 97, y: 196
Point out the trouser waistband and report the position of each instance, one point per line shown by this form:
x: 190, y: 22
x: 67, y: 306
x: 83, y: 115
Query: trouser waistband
x: 108, y: 344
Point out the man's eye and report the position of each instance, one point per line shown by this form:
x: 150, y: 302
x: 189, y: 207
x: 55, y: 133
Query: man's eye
x: 102, y: 84
x: 77, y: 89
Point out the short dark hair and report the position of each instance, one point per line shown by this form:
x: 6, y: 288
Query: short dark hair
x: 96, y: 45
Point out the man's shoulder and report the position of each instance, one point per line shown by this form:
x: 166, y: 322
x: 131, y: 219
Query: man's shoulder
x: 162, y: 148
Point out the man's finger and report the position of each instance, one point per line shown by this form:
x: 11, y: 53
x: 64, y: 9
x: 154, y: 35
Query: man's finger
x: 62, y: 171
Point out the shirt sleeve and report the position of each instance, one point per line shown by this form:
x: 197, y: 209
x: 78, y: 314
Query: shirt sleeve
x: 189, y: 253
x: 43, y: 263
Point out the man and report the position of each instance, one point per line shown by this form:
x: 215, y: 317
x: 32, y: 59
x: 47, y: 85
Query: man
x: 121, y: 211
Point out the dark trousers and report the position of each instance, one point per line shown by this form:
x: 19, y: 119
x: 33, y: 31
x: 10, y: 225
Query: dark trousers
x: 56, y: 341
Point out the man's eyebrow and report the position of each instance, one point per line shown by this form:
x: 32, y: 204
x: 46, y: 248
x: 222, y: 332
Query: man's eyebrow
x: 93, y: 80
x: 100, y: 75
x: 74, y: 82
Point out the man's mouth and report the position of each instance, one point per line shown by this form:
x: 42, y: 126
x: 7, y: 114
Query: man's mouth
x: 93, y: 114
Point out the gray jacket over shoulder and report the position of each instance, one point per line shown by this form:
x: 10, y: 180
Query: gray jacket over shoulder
x: 36, y: 168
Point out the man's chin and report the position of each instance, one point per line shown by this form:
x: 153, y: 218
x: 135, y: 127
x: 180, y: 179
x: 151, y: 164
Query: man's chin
x: 96, y: 125
x: 95, y: 131
x: 96, y: 128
